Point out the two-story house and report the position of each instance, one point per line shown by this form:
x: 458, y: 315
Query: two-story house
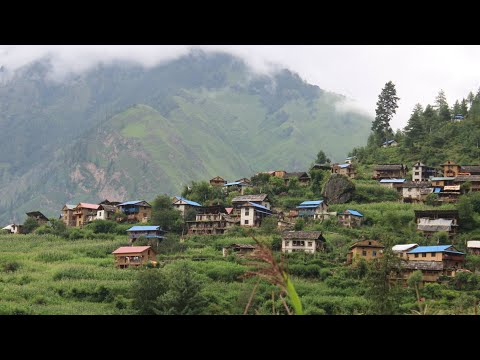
x: 431, y: 221
x: 182, y: 205
x: 306, y: 241
x: 218, y: 181
x: 252, y: 214
x: 85, y: 213
x: 450, y: 169
x: 422, y: 172
x: 344, y: 169
x: 314, y: 209
x: 350, y: 218
x: 106, y: 212
x: 390, y: 171
x: 38, y: 216
x: 402, y: 249
x: 416, y: 191
x: 211, y: 220
x: 133, y: 256
x: 365, y: 249
x: 395, y: 184
x: 136, y: 211
x: 148, y: 232
x: 239, y: 201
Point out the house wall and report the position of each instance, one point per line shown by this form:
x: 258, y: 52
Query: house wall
x: 144, y: 257
x: 438, y: 257
x: 309, y: 246
x: 450, y: 170
x: 371, y: 253
x: 68, y: 218
x: 250, y: 217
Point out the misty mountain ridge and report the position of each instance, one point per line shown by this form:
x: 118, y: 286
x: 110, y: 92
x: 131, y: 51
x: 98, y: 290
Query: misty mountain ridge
x: 122, y: 131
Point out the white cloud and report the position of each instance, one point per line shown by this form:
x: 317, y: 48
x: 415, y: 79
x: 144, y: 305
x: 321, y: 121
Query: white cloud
x: 358, y: 72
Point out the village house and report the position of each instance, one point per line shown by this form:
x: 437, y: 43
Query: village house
x: 239, y: 201
x: 303, y: 178
x: 389, y: 171
x: 274, y: 173
x: 473, y: 247
x: 85, y: 213
x: 390, y: 143
x: 237, y: 186
x: 13, y: 228
x: 306, y: 241
x: 450, y: 169
x: 315, y: 209
x: 211, y: 220
x: 365, y: 249
x: 218, y: 181
x: 252, y: 214
x: 244, y: 180
x: 106, y: 212
x: 38, y: 216
x: 344, y: 169
x: 433, y: 261
x: 326, y: 166
x: 413, y: 191
x: 238, y: 249
x: 350, y: 218
x: 111, y: 203
x: 395, y: 184
x: 136, y: 211
x: 431, y: 221
x: 148, y: 232
x: 422, y: 172
x: 441, y: 181
x: 458, y: 118
x: 182, y: 205
x: 448, y: 194
x: 135, y: 256
x: 469, y: 170
x: 402, y: 249
x: 473, y: 179
x: 67, y: 215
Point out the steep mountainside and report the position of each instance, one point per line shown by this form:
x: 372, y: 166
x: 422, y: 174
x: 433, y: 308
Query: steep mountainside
x: 122, y: 131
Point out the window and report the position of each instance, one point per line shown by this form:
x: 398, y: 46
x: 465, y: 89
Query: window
x: 374, y: 253
x: 433, y: 254
x: 416, y: 255
x: 246, y: 222
x: 424, y: 255
x: 364, y: 253
x: 287, y: 243
x: 247, y: 212
x: 369, y: 243
x: 417, y: 173
x: 310, y: 243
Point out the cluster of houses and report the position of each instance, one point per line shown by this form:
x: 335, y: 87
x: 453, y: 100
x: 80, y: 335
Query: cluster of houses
x: 446, y: 183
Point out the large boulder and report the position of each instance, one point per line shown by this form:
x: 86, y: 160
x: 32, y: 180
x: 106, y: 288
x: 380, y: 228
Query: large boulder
x: 338, y: 189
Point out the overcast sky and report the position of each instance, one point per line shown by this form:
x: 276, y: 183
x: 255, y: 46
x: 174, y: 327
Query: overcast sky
x: 359, y: 71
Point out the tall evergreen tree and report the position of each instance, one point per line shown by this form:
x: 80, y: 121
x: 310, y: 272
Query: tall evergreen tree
x: 386, y: 108
x: 415, y: 131
x: 442, y: 106
x: 430, y: 119
x: 457, y: 109
x: 464, y: 107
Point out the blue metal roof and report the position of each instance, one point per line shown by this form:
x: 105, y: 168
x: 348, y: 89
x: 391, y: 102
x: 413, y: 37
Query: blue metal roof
x: 354, y: 213
x: 131, y: 202
x: 392, y: 180
x: 144, y: 228
x: 154, y: 237
x: 233, y: 183
x: 440, y: 178
x: 313, y: 202
x: 307, y: 207
x: 344, y: 165
x: 436, y: 248
x: 388, y: 142
x: 259, y: 206
x: 437, y: 190
x: 193, y: 203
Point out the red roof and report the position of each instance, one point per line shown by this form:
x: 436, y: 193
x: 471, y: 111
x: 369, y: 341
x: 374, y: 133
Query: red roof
x: 229, y: 210
x: 131, y: 249
x: 88, y: 206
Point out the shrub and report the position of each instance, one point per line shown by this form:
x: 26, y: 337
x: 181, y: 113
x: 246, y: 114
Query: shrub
x: 11, y: 266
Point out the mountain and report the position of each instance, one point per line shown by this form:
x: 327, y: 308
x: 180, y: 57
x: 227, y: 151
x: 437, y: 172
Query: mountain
x: 122, y: 131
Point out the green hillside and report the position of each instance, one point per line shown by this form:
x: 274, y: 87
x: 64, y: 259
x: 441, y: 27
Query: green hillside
x: 122, y: 131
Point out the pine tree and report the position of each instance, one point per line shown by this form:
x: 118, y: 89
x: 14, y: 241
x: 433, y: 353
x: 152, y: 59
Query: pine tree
x: 386, y: 108
x: 442, y: 105
x: 457, y: 109
x: 430, y: 119
x: 415, y: 131
x: 464, y: 108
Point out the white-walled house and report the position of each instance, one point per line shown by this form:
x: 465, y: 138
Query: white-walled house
x: 251, y: 214
x: 183, y: 204
x: 306, y: 241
